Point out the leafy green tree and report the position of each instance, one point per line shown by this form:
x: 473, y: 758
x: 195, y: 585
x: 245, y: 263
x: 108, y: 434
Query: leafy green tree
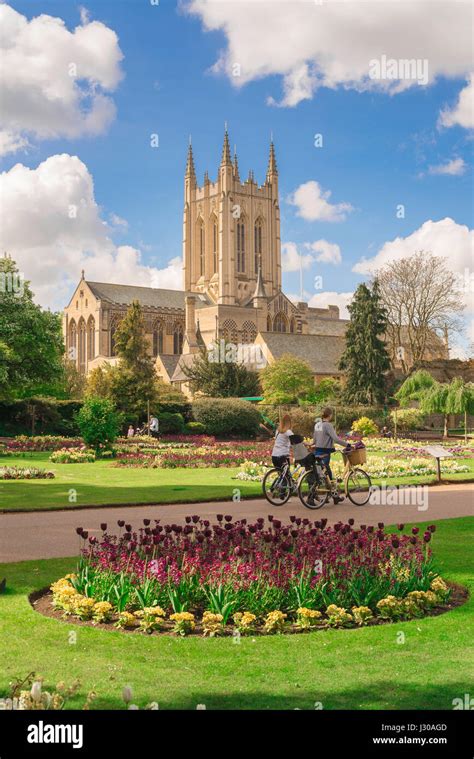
x: 435, y: 401
x: 287, y: 380
x: 365, y: 359
x: 460, y: 399
x: 220, y: 378
x: 324, y: 391
x: 414, y: 387
x: 99, y: 423
x: 133, y: 383
x: 31, y: 347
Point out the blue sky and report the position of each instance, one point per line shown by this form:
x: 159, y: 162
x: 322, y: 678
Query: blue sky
x: 378, y: 149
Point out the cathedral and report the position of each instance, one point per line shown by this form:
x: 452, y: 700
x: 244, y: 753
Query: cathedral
x: 231, y: 286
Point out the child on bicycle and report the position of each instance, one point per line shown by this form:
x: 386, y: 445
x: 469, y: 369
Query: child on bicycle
x: 282, y: 444
x: 324, y: 438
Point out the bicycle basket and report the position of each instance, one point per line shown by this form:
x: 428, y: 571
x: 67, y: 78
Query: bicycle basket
x: 356, y: 456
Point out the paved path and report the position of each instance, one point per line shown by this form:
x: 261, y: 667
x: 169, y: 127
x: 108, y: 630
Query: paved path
x: 44, y: 535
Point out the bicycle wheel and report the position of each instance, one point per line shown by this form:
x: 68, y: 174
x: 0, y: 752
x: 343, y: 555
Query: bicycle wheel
x: 276, y: 487
x: 312, y: 493
x: 358, y: 487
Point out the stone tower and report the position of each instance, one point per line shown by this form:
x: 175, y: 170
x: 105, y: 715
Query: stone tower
x: 231, y: 229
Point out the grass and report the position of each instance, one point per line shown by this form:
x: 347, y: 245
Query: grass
x: 101, y: 483
x: 344, y: 669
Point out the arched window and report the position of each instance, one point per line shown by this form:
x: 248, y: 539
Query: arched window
x: 257, y: 243
x: 292, y: 325
x: 178, y: 339
x: 113, y: 330
x: 280, y: 323
x: 72, y: 354
x: 230, y: 331
x: 82, y: 344
x: 269, y: 324
x: 157, y: 338
x: 214, y: 245
x: 91, y: 338
x: 202, y: 249
x: 249, y: 332
x: 240, y: 246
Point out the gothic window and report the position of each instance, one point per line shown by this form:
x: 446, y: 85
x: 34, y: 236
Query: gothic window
x: 292, y: 325
x: 214, y: 246
x: 240, y: 246
x: 113, y: 330
x: 249, y: 332
x: 72, y: 341
x: 157, y: 338
x: 178, y: 339
x: 230, y: 331
x: 82, y: 344
x: 202, y: 250
x: 258, y: 243
x: 91, y: 338
x: 269, y: 323
x: 280, y: 323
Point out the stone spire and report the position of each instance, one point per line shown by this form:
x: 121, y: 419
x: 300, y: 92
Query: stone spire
x: 226, y: 159
x: 236, y: 166
x: 272, y: 171
x: 259, y: 288
x: 190, y: 171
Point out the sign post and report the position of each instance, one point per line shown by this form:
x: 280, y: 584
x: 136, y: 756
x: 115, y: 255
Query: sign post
x: 438, y: 452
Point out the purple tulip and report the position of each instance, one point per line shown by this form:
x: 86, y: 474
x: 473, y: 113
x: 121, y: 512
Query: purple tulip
x: 103, y: 526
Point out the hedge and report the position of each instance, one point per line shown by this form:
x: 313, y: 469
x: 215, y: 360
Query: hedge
x: 171, y: 424
x: 227, y: 416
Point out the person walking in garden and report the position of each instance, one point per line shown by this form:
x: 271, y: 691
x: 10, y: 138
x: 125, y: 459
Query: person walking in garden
x: 282, y: 444
x: 154, y: 426
x: 324, y: 438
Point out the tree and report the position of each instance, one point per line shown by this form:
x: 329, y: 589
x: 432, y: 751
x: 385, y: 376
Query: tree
x: 99, y: 382
x: 133, y: 383
x: 422, y: 301
x: 324, y: 391
x: 460, y: 400
x: 99, y: 423
x: 365, y: 359
x: 31, y: 339
x: 221, y: 378
x: 414, y: 387
x: 287, y: 380
x: 434, y: 401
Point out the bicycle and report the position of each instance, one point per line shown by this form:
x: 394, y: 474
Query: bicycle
x: 316, y: 488
x: 280, y: 484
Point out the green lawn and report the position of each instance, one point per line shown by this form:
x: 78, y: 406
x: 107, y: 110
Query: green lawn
x: 101, y: 483
x: 343, y: 669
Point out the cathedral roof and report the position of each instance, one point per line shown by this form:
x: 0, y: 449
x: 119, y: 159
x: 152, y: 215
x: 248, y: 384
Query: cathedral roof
x: 151, y: 297
x: 322, y: 352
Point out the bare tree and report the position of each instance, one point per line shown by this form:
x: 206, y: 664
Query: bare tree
x: 423, y: 303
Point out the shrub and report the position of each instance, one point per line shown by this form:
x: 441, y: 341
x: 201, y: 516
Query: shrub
x: 408, y: 419
x: 227, y: 416
x: 99, y: 423
x: 365, y: 426
x: 171, y: 423
x: 195, y: 428
x: 38, y: 415
x: 25, y: 473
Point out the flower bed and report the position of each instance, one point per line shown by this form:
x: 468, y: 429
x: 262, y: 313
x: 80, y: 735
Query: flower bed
x: 390, y: 446
x: 219, y: 455
x: 25, y: 473
x: 23, y: 443
x: 235, y: 578
x: 72, y: 456
x: 378, y: 467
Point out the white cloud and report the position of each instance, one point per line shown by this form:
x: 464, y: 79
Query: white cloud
x: 51, y: 225
x: 313, y: 203
x: 327, y: 252
x: 331, y: 44
x: 454, y: 167
x: 463, y: 112
x: 292, y: 259
x: 325, y: 299
x: 441, y: 238
x: 321, y: 251
x: 118, y: 222
x: 54, y: 82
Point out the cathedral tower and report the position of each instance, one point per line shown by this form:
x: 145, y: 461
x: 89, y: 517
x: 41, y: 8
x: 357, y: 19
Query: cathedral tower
x: 231, y: 230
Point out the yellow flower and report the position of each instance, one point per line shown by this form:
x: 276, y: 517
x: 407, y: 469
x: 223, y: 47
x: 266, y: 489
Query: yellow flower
x: 102, y: 611
x: 275, y: 622
x: 361, y: 614
x: 184, y: 622
x: 126, y: 619
x: 338, y: 616
x: 306, y: 617
x: 211, y: 623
